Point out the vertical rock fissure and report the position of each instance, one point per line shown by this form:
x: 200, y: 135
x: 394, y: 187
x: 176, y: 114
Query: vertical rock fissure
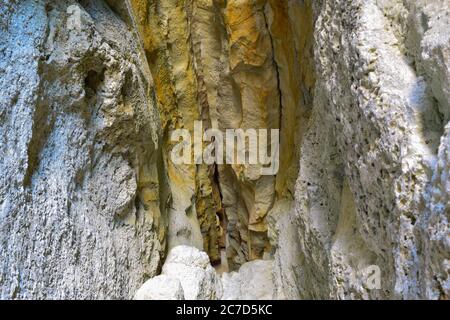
x: 277, y: 69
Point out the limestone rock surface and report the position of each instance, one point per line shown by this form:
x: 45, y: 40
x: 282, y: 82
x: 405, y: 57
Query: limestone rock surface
x: 161, y: 287
x: 91, y: 203
x: 253, y: 281
x: 370, y: 190
x: 194, y: 271
x: 80, y: 176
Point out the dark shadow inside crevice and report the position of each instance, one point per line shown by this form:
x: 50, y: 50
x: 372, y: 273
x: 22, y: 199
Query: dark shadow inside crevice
x: 93, y: 81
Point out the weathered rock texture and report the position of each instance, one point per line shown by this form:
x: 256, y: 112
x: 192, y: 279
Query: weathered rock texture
x: 161, y: 287
x: 231, y: 64
x: 213, y: 61
x: 81, y: 178
x: 193, y: 269
x: 186, y: 274
x: 254, y: 281
x: 90, y: 200
x: 372, y: 187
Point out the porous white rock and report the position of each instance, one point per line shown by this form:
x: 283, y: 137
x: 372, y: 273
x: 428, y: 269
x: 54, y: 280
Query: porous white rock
x: 372, y: 187
x: 194, y: 271
x: 161, y: 287
x: 90, y: 203
x: 253, y: 281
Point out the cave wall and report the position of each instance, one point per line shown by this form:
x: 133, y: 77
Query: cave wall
x: 81, y: 167
x: 368, y: 192
x: 91, y: 91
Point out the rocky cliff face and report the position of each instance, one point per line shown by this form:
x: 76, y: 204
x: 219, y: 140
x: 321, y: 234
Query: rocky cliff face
x: 90, y: 201
x: 82, y: 185
x: 366, y: 193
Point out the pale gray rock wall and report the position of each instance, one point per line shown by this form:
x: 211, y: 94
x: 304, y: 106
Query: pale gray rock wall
x: 373, y: 181
x: 253, y: 281
x: 194, y: 271
x: 161, y: 287
x: 78, y: 150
